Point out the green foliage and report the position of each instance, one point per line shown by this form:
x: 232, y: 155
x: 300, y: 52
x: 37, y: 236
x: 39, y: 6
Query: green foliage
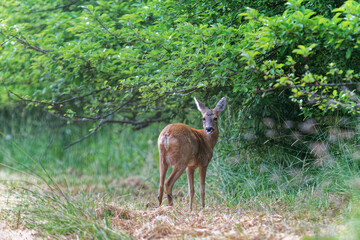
x: 134, y: 62
x: 311, y: 55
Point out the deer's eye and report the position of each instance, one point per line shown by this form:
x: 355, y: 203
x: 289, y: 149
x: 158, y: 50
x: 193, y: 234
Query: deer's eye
x: 203, y: 119
x: 215, y: 119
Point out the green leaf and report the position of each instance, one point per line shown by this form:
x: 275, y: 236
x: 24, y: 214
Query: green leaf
x: 348, y: 53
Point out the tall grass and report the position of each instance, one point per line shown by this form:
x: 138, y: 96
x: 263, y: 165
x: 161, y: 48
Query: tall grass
x: 111, y: 153
x: 62, y: 215
x: 91, y: 174
x: 68, y: 187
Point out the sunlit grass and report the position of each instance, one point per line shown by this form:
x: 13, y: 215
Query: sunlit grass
x: 97, y: 187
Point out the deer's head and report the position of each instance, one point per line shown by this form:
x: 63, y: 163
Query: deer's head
x: 210, y: 116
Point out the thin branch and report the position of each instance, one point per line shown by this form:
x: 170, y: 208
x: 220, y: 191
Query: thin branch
x: 76, y: 119
x: 80, y: 97
x: 88, y: 135
x: 333, y: 84
x: 309, y: 85
x: 31, y: 46
x: 132, y: 122
x: 106, y: 29
x: 330, y: 100
x: 147, y: 42
x: 86, y: 119
x: 119, y: 107
x: 103, y: 121
x: 58, y: 103
x: 102, y: 24
x: 55, y: 8
x: 184, y: 92
x: 6, y: 41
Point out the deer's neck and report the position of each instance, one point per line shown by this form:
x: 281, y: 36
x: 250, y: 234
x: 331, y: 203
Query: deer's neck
x: 211, y: 138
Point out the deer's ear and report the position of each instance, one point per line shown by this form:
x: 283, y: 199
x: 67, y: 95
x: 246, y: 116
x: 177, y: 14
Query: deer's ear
x: 200, y: 106
x: 220, y: 106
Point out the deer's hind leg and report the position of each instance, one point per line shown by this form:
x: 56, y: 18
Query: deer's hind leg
x: 163, y: 169
x: 175, y: 174
x: 190, y: 175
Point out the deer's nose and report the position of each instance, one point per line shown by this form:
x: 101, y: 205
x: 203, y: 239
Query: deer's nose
x: 209, y: 130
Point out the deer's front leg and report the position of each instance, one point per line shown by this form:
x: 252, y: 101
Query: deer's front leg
x: 202, y: 173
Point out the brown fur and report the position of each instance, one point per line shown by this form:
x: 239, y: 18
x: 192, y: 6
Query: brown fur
x: 183, y: 147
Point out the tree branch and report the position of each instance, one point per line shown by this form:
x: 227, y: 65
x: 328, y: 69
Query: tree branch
x: 30, y: 46
x: 55, y: 8
x: 309, y: 85
x: 6, y: 41
x: 83, y: 138
x: 103, y: 121
x: 58, y: 103
x: 102, y: 25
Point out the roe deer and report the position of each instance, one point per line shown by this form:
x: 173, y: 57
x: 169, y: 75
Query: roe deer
x: 183, y: 147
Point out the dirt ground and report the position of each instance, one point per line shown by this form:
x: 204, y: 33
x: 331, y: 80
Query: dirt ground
x: 11, y: 230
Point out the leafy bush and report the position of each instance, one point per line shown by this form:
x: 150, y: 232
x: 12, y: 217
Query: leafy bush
x: 131, y: 63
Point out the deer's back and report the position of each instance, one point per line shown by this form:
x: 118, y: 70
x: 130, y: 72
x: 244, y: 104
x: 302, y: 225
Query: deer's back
x: 180, y: 144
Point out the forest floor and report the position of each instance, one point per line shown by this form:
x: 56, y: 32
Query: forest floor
x: 137, y: 217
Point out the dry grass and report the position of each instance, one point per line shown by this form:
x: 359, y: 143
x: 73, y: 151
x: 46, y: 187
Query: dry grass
x: 10, y: 226
x: 140, y: 220
x: 210, y: 223
x: 214, y: 222
x: 9, y: 233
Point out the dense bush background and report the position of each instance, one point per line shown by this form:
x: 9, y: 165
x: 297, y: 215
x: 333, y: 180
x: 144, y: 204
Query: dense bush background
x: 141, y: 62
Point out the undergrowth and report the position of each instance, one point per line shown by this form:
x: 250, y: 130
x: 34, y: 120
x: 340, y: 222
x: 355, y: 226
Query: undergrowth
x: 121, y: 165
